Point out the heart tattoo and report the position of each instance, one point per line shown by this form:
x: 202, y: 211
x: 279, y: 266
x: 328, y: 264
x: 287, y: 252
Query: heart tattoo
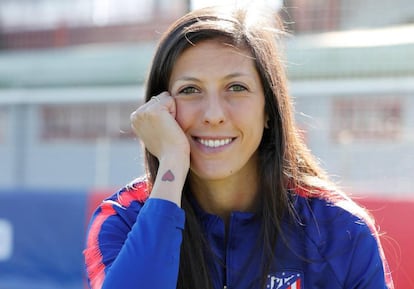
x: 168, y: 176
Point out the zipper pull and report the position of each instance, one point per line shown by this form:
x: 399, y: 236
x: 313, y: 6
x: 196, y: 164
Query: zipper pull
x: 225, y: 287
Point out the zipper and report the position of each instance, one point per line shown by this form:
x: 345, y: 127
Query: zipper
x: 227, y: 236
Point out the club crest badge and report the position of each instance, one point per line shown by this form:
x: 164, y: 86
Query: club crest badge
x: 285, y: 280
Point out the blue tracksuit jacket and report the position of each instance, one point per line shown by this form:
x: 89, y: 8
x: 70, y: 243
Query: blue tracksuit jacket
x: 134, y: 242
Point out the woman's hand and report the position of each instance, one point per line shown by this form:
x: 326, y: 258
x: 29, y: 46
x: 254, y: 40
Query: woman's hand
x: 154, y: 123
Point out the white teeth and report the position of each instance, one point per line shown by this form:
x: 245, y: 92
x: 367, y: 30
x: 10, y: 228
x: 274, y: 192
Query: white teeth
x: 214, y: 143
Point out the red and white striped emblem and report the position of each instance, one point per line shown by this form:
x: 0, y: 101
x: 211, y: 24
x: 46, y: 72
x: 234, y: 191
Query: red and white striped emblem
x: 285, y: 280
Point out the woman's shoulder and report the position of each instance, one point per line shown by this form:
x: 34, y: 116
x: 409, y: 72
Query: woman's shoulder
x: 327, y: 215
x: 136, y: 192
x: 342, y: 233
x: 125, y: 203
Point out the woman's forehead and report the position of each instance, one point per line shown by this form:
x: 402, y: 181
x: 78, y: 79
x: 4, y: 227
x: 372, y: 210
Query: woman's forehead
x: 213, y: 54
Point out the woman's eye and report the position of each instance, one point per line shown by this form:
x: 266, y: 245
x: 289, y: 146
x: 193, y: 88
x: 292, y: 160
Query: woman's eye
x: 237, y: 87
x: 189, y: 90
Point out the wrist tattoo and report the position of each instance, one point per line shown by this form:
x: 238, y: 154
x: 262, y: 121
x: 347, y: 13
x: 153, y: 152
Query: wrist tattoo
x: 168, y: 176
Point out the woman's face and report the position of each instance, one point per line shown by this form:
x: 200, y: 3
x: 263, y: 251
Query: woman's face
x: 220, y: 107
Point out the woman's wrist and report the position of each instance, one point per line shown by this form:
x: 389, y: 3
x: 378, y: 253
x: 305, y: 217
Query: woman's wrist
x: 169, y: 182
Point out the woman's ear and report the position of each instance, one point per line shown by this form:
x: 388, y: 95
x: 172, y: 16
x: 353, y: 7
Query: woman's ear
x: 266, y: 121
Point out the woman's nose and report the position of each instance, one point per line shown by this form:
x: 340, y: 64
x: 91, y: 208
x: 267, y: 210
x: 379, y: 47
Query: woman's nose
x: 214, y: 110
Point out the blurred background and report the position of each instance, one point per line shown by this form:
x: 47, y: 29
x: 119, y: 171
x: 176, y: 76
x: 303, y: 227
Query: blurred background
x: 72, y: 71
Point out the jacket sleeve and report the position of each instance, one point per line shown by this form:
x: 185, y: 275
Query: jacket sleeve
x: 143, y: 254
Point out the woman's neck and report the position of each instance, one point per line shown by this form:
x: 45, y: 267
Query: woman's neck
x: 221, y: 197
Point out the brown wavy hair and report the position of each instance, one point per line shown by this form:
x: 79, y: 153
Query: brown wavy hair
x: 285, y: 162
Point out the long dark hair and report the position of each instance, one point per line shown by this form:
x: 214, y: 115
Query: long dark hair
x: 284, y: 161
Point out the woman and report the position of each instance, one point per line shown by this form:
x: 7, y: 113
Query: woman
x: 232, y: 196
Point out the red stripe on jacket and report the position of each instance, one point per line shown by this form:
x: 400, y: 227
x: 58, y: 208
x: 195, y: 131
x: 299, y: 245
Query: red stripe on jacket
x: 95, y: 267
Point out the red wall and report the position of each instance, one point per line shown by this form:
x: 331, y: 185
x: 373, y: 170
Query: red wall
x: 396, y: 221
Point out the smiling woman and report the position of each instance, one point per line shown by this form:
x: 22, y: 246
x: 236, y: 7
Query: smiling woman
x: 232, y: 197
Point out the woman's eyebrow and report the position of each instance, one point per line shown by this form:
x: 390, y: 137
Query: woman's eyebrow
x: 226, y: 77
x: 237, y: 74
x: 187, y: 78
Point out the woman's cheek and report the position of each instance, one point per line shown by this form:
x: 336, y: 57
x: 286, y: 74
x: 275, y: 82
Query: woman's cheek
x: 185, y: 114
